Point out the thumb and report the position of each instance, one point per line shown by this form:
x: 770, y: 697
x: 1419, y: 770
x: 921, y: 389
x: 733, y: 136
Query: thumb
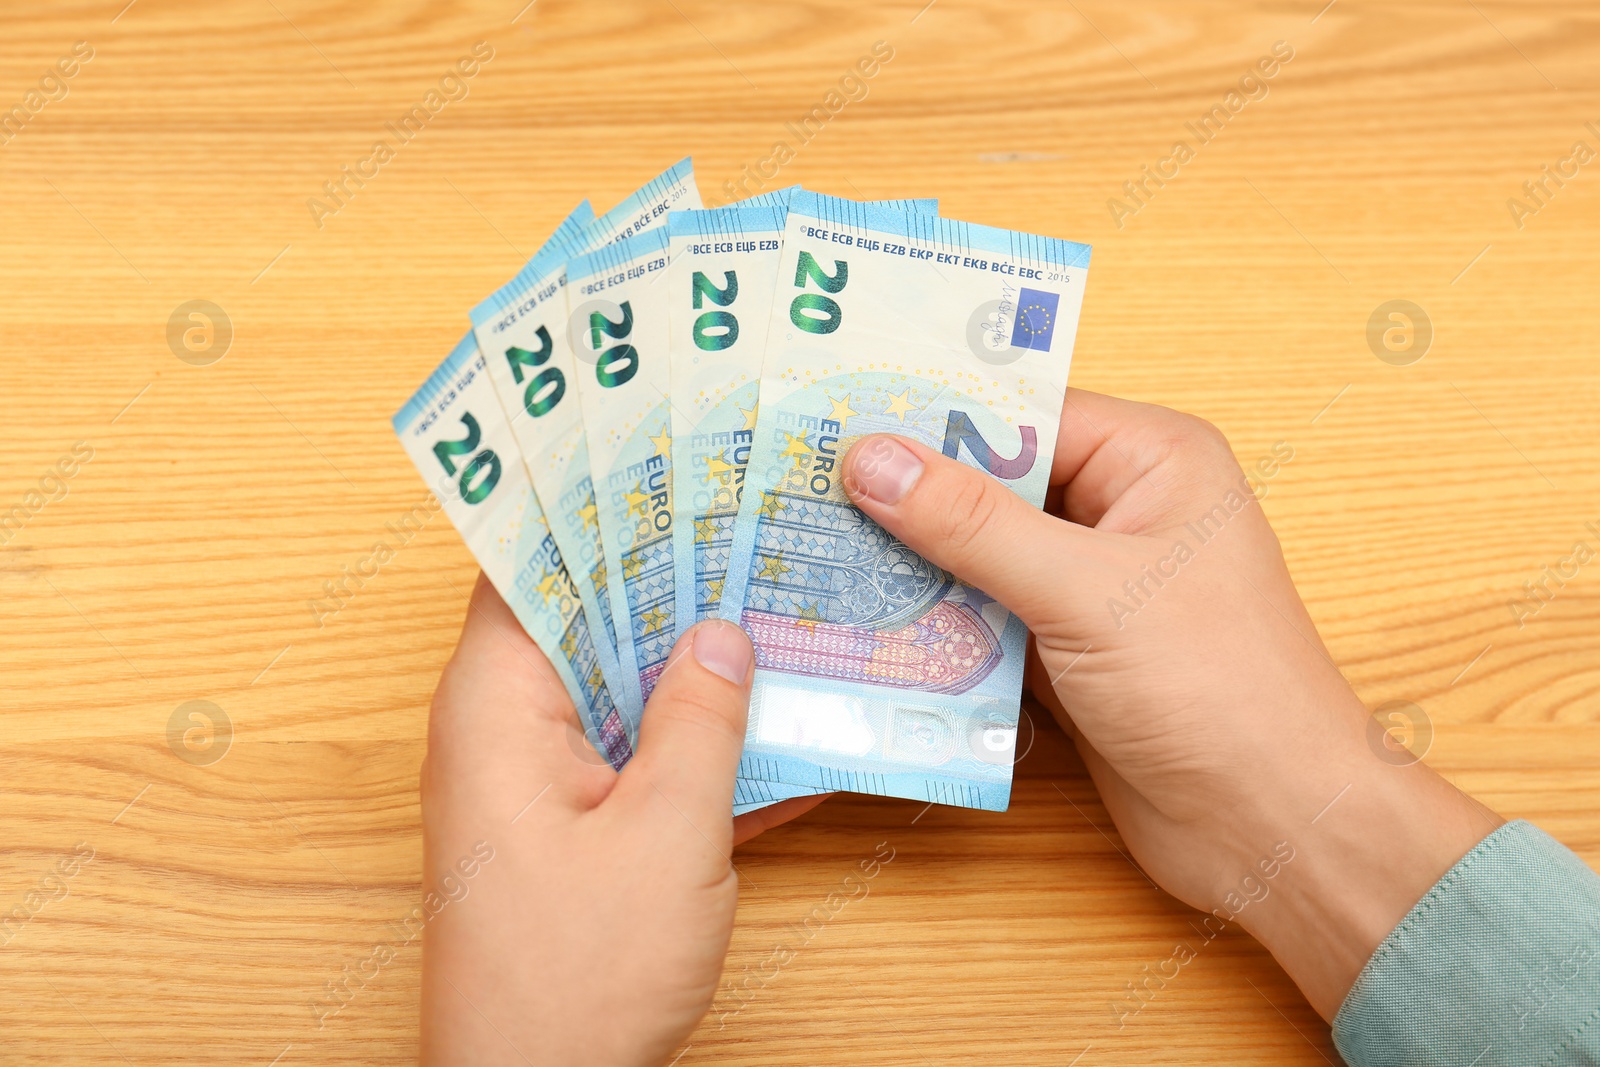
x: 692, y: 732
x: 967, y: 522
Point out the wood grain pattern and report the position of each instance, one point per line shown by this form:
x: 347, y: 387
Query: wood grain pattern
x: 179, y: 564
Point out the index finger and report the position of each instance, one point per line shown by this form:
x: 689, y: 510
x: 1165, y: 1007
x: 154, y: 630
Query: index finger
x: 502, y: 719
x: 1106, y: 446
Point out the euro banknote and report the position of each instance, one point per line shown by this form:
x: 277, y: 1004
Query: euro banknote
x: 454, y: 430
x: 456, y: 434
x: 877, y: 672
x: 721, y: 275
x: 618, y: 296
x: 523, y: 330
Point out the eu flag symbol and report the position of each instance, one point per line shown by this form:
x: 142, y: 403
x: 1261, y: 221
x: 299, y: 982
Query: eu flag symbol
x: 1036, y: 320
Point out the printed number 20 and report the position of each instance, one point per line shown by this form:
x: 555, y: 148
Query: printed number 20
x: 548, y: 386
x: 619, y: 363
x: 802, y: 307
x: 485, y: 461
x: 711, y: 320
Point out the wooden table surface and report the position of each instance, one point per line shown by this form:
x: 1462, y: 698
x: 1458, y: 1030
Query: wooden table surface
x: 210, y: 499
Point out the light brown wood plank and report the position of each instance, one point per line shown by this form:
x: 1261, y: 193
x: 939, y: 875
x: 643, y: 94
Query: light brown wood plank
x: 179, y: 564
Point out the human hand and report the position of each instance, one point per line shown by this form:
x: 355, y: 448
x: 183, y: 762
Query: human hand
x: 594, y: 920
x: 1170, y: 642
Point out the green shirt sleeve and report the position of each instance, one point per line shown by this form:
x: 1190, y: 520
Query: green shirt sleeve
x: 1497, y: 966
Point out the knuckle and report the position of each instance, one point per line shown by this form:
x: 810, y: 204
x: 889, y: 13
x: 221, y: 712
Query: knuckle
x: 1207, y: 433
x: 701, y: 704
x: 1197, y: 440
x: 969, y: 515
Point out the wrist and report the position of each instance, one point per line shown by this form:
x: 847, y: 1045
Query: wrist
x: 1366, y: 847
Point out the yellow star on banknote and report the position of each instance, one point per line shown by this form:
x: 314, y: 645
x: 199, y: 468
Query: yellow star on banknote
x: 548, y: 586
x: 631, y: 566
x: 637, y: 500
x: 841, y: 410
x: 663, y: 442
x: 716, y: 467
x: 595, y: 677
x: 704, y: 530
x: 774, y: 567
x: 809, y: 617
x: 749, y: 414
x: 569, y: 644
x: 773, y: 505
x: 714, y: 588
x: 798, y: 447
x: 653, y: 620
x: 590, y: 514
x: 899, y: 405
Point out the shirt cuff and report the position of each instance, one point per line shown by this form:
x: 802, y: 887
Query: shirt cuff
x: 1497, y: 966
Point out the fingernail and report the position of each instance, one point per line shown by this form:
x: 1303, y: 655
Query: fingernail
x: 886, y: 471
x: 723, y: 649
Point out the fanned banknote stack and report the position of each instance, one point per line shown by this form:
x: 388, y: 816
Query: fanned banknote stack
x: 644, y: 428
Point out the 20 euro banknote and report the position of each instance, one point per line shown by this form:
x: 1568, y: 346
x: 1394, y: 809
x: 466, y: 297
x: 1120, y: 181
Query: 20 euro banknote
x: 619, y: 293
x: 877, y: 672
x: 524, y: 333
x: 456, y: 434
x: 454, y: 431
x: 721, y: 277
